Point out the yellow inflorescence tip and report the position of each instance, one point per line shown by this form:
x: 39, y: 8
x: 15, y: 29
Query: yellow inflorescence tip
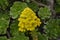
x: 28, y: 20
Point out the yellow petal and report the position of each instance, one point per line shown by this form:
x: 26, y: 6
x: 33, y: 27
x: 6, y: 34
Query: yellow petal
x: 22, y: 30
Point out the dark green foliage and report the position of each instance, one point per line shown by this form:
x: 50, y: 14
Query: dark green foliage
x: 42, y: 37
x: 16, y: 34
x: 3, y: 38
x: 33, y: 6
x: 58, y: 1
x: 3, y: 4
x: 4, y: 22
x: 52, y: 28
x: 57, y: 8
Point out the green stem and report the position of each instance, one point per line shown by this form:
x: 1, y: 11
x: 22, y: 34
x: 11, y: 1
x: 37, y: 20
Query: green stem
x: 34, y: 35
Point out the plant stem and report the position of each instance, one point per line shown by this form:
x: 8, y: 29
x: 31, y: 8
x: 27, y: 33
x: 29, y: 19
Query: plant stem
x: 34, y: 35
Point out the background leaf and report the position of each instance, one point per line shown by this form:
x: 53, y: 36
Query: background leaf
x: 42, y: 37
x: 16, y: 34
x: 17, y: 8
x: 44, y: 12
x: 3, y: 4
x: 58, y: 1
x: 57, y: 8
x: 3, y: 38
x: 52, y: 28
x: 27, y: 1
x: 4, y: 22
x: 33, y: 6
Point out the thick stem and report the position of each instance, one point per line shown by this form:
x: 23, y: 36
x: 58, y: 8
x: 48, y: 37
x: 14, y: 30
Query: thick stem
x: 34, y: 35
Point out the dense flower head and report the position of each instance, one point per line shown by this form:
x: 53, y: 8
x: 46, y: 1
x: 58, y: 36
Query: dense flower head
x: 28, y: 20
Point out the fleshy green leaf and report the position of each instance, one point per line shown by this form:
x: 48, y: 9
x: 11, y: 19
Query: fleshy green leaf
x: 4, y: 4
x: 42, y: 37
x: 52, y: 28
x: 4, y: 22
x: 44, y: 12
x: 27, y: 1
x: 58, y: 1
x: 57, y: 8
x: 17, y: 35
x: 14, y: 28
x: 3, y: 38
x: 17, y: 8
x: 33, y: 6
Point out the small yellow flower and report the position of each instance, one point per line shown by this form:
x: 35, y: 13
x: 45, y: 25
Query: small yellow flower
x: 22, y: 29
x: 28, y: 20
x: 31, y: 29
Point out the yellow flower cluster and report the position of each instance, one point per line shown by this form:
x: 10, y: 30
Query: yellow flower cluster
x: 28, y: 20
